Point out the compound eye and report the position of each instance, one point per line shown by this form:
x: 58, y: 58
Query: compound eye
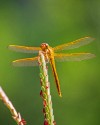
x: 43, y: 46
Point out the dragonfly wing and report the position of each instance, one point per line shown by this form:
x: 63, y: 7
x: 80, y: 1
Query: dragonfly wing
x: 26, y: 62
x: 24, y: 49
x: 74, y: 44
x: 73, y: 56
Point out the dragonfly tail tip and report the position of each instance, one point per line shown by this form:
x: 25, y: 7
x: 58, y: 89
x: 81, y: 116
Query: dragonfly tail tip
x: 60, y: 94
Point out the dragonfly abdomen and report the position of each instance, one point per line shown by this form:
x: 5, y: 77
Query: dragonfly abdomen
x: 52, y: 62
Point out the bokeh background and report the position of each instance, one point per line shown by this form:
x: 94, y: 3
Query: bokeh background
x: 31, y: 22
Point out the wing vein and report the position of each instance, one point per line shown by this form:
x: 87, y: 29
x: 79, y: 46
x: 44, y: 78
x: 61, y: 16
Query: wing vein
x: 24, y: 49
x: 73, y: 56
x: 74, y: 44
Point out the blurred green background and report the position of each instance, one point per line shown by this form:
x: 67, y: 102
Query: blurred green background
x: 31, y: 22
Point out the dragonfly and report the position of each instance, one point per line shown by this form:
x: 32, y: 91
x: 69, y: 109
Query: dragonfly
x: 52, y: 54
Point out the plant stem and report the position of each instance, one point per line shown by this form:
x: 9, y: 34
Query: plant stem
x: 45, y: 91
x: 16, y: 116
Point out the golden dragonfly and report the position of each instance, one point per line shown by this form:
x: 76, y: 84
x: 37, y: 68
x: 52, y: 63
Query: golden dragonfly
x: 51, y: 55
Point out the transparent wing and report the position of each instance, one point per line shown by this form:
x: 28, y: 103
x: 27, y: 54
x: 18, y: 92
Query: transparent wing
x: 26, y: 62
x: 24, y: 49
x: 73, y: 56
x: 74, y: 44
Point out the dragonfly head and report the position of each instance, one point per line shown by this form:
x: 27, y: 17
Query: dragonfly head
x: 44, y: 46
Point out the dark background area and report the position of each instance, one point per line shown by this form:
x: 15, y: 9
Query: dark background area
x: 31, y: 22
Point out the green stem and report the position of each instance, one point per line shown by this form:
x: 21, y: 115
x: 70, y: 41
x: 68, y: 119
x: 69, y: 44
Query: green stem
x: 45, y: 91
